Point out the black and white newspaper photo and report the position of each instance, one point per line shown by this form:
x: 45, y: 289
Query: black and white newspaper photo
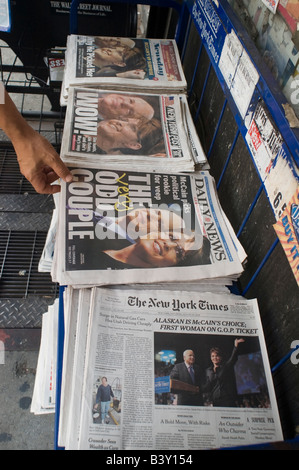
x: 124, y: 227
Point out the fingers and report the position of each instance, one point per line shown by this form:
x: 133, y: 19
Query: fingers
x: 43, y: 184
x: 40, y: 163
x: 62, y: 170
x: 42, y: 180
x: 51, y: 170
x: 53, y: 161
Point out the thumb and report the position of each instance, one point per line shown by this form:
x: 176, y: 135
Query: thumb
x: 62, y: 171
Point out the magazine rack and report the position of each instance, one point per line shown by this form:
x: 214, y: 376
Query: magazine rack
x: 228, y: 82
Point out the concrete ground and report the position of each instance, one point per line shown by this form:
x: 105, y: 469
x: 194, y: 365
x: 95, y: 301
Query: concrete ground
x: 19, y: 428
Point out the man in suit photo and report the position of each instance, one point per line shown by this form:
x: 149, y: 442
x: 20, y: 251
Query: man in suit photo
x: 189, y: 373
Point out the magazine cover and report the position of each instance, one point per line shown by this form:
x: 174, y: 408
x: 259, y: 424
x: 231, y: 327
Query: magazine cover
x: 122, y: 227
x: 122, y: 63
x: 287, y: 230
x: 142, y: 130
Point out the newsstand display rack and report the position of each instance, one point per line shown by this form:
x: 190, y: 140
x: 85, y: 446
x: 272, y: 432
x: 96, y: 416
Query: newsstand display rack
x: 211, y: 26
x: 223, y: 95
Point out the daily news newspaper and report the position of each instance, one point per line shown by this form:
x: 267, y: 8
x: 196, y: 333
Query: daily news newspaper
x: 125, y: 227
x: 132, y: 344
x: 122, y: 63
x: 141, y: 129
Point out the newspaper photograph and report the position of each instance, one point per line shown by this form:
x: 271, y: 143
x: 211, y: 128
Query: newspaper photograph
x: 137, y: 128
x: 122, y: 63
x: 137, y: 391
x: 120, y: 227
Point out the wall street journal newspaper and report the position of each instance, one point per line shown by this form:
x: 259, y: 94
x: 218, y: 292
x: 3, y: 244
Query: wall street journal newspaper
x: 126, y: 227
x: 127, y: 386
x: 122, y: 63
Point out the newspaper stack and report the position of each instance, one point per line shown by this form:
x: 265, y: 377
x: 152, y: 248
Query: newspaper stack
x: 122, y: 64
x: 124, y: 227
x: 44, y: 392
x: 148, y: 257
x: 142, y: 130
x: 46, y: 259
x: 131, y: 344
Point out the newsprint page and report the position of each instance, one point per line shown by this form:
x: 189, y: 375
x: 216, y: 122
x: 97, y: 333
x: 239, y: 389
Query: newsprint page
x: 138, y: 129
x: 188, y: 240
x: 134, y: 343
x: 122, y: 63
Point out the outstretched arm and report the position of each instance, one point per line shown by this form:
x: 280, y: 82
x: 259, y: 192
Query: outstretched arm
x: 238, y: 341
x: 39, y: 162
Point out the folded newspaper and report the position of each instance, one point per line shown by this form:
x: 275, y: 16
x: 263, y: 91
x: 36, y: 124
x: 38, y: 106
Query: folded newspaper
x: 125, y: 227
x: 125, y: 385
x: 46, y: 259
x: 123, y: 64
x: 44, y: 392
x: 142, y: 130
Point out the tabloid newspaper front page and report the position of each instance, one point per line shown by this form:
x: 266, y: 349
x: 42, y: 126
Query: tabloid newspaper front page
x: 132, y: 389
x: 125, y: 227
x: 122, y: 63
x: 142, y: 130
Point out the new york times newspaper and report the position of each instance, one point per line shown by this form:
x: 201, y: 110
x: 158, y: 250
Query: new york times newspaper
x: 124, y: 227
x: 130, y: 384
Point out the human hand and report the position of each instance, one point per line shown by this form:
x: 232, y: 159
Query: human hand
x: 40, y: 163
x: 37, y: 158
x: 239, y: 340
